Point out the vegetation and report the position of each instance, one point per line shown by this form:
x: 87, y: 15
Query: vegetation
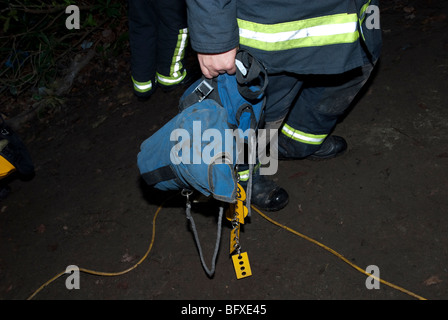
x: 37, y: 47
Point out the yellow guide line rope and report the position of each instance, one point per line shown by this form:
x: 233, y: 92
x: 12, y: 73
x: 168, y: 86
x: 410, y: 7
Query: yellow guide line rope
x: 110, y: 274
x: 262, y: 215
x: 338, y: 255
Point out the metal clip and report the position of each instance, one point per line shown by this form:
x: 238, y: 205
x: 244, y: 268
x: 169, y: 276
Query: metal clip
x: 203, y: 90
x: 186, y: 193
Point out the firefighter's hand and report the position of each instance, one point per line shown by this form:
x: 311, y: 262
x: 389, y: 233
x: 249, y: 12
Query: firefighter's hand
x: 214, y: 64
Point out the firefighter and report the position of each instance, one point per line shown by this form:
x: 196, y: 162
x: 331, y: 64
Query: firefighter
x: 318, y: 55
x: 158, y: 36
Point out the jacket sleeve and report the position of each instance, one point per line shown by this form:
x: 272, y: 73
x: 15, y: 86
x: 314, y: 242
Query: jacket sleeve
x: 212, y: 25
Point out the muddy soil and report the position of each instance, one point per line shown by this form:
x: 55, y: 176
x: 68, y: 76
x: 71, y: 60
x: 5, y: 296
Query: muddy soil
x: 383, y: 203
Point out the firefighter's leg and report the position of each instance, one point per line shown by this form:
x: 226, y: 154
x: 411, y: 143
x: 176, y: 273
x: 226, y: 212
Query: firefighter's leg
x: 306, y: 132
x: 172, y: 42
x: 266, y: 194
x: 281, y: 93
x: 143, y: 44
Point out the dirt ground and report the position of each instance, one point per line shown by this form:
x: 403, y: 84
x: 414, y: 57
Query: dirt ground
x: 383, y: 203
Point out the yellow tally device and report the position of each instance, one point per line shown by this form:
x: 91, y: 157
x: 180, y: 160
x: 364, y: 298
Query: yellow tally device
x: 238, y: 210
x: 236, y: 215
x: 234, y: 239
x: 5, y: 167
x: 241, y: 265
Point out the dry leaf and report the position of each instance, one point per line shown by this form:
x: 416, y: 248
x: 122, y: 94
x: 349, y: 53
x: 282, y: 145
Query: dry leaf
x: 432, y: 281
x: 127, y: 114
x: 41, y: 228
x: 127, y: 258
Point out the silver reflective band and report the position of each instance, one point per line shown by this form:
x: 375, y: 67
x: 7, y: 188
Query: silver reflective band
x: 142, y: 86
x: 301, y: 136
x: 177, y: 72
x: 317, y: 31
x: 341, y: 28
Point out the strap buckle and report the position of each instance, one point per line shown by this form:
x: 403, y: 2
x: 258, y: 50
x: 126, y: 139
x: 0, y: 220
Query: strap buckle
x: 203, y: 90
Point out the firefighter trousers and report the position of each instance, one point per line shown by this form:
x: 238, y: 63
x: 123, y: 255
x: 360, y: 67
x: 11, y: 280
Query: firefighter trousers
x: 306, y: 109
x: 158, y: 37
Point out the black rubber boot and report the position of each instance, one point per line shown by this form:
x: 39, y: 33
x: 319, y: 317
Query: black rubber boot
x: 266, y: 194
x: 332, y: 147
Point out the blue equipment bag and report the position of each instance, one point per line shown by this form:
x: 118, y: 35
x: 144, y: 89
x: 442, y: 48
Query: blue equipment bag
x: 190, y: 151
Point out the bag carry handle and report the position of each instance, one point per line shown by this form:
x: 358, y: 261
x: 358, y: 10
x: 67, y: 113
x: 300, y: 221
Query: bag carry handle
x: 251, y: 76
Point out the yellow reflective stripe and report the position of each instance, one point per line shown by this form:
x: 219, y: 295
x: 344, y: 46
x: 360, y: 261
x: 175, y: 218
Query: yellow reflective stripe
x: 170, y: 80
x: 244, y: 175
x: 142, y: 86
x: 362, y: 12
x: 179, y: 52
x: 177, y: 72
x: 319, y: 31
x: 362, y: 16
x: 5, y: 167
x: 302, y: 136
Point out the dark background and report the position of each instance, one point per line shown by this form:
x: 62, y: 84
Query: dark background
x: 383, y: 203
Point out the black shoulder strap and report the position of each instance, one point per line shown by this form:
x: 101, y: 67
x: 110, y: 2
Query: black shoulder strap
x: 161, y: 174
x: 251, y: 76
